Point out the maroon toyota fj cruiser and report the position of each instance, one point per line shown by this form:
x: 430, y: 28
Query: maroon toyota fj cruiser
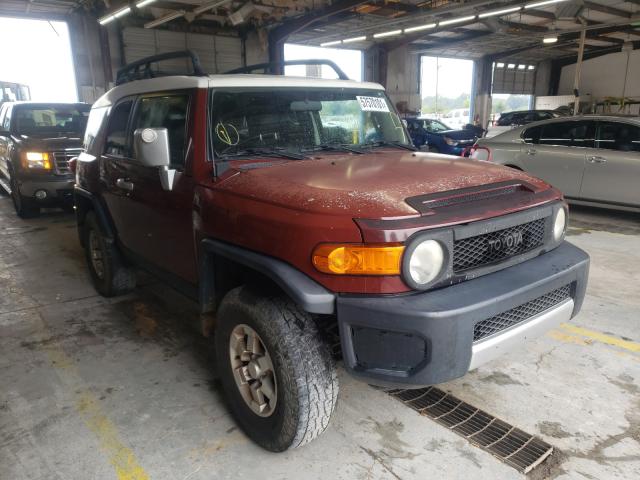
x: 285, y: 205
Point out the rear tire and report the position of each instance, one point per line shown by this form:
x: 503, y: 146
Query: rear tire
x: 25, y: 207
x: 299, y: 406
x: 109, y: 274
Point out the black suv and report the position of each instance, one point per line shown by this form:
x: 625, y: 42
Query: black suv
x: 37, y: 142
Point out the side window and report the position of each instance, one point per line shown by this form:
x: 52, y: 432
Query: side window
x: 532, y: 135
x: 619, y: 136
x: 116, y: 139
x: 568, y: 134
x: 168, y: 112
x: 505, y: 119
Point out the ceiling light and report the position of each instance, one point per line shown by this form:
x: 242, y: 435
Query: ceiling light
x: 499, y: 65
x: 387, y: 34
x: 209, y: 6
x: 531, y: 67
x: 122, y: 12
x: 542, y: 4
x: 511, y: 66
x: 504, y: 11
x: 420, y: 27
x: 456, y: 20
x: 105, y: 20
x: 165, y: 19
x: 328, y: 44
x: 552, y: 39
x: 521, y: 67
x: 354, y: 39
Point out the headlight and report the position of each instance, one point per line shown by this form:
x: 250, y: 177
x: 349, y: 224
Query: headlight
x: 559, y: 224
x: 426, y: 262
x: 36, y: 160
x: 450, y: 141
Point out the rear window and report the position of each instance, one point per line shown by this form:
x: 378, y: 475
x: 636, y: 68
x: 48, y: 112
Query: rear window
x: 50, y: 120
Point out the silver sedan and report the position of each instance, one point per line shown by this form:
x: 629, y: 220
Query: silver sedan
x: 593, y: 160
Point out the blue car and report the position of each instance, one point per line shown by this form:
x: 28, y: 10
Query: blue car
x: 439, y: 138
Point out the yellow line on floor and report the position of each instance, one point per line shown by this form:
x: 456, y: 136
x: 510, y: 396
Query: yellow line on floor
x: 602, y: 338
x: 87, y: 405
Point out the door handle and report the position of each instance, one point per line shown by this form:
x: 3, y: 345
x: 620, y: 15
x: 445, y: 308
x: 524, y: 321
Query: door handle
x: 123, y: 184
x: 531, y: 151
x: 596, y: 159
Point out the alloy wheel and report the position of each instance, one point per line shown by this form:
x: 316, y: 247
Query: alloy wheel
x: 253, y: 370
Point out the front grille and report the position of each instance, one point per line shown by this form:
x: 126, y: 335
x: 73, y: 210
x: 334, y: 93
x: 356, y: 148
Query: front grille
x: 516, y: 315
x: 492, y: 247
x: 61, y: 160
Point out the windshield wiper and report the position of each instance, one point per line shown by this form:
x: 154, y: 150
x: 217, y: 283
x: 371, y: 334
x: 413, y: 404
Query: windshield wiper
x: 387, y: 143
x: 266, y: 152
x: 345, y: 147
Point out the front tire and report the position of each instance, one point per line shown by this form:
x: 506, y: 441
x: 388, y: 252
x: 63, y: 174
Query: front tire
x: 277, y: 372
x: 109, y: 274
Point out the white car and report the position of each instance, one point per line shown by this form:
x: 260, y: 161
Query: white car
x: 458, y: 118
x: 593, y: 160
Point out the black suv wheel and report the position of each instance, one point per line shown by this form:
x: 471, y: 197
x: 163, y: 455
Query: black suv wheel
x: 109, y: 274
x: 276, y: 370
x: 25, y: 207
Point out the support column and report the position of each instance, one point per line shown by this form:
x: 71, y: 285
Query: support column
x: 483, y: 71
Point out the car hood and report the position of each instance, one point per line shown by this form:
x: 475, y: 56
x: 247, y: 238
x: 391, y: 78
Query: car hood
x: 458, y: 134
x: 49, y: 143
x: 373, y: 185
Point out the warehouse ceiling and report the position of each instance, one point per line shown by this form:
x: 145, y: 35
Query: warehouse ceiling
x: 503, y: 30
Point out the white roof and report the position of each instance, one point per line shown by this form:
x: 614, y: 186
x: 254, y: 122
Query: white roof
x: 224, y: 81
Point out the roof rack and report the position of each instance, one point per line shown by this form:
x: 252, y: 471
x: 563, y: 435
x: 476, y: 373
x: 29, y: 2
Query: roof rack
x: 141, y: 69
x: 272, y: 67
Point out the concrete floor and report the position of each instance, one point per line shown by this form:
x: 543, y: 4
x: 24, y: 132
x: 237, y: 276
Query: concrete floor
x: 121, y: 389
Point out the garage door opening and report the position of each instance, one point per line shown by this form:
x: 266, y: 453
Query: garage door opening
x: 446, y: 86
x: 350, y: 61
x: 38, y: 56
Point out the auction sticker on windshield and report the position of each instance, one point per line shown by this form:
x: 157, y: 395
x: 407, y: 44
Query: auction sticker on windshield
x: 372, y: 104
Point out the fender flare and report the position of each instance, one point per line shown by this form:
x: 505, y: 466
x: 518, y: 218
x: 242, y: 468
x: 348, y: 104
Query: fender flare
x: 306, y: 292
x: 99, y: 209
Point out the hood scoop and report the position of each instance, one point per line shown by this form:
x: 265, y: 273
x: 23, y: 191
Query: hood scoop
x: 426, y: 204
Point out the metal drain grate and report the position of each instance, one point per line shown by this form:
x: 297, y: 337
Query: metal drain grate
x: 513, y: 446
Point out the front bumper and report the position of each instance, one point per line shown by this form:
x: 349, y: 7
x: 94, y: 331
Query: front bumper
x: 427, y: 338
x: 59, y: 188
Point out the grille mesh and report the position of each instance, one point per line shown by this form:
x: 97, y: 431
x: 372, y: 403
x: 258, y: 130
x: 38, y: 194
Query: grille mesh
x: 512, y: 317
x: 61, y: 160
x: 477, y: 251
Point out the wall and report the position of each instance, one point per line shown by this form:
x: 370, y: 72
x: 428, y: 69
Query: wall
x: 90, y: 57
x: 403, y: 76
x: 605, y: 76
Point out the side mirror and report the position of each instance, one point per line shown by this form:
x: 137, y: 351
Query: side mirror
x: 151, y: 149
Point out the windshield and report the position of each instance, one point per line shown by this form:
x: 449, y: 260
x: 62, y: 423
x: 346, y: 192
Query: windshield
x: 297, y: 120
x: 51, y: 119
x: 435, y: 126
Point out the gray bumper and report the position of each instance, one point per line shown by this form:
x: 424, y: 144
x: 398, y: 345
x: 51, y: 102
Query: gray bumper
x: 427, y: 338
x: 57, y: 188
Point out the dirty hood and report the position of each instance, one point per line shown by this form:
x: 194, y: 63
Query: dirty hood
x: 373, y: 185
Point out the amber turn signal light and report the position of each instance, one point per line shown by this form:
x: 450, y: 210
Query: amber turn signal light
x: 358, y: 259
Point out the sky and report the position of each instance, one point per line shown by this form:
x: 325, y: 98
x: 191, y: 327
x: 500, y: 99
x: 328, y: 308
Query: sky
x: 348, y: 60
x: 455, y: 76
x: 38, y: 53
